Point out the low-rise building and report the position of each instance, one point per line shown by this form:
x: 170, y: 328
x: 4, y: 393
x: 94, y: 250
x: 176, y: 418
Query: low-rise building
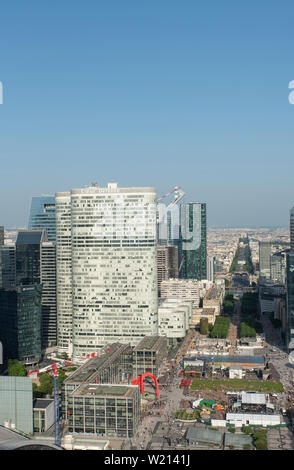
x: 208, y: 312
x: 43, y: 414
x: 174, y: 318
x: 237, y: 441
x: 16, y: 403
x: 201, y: 437
x: 236, y: 372
x: 104, y: 410
x: 253, y: 419
x: 149, y: 355
x: 214, y: 299
x: 224, y: 362
x: 114, y: 366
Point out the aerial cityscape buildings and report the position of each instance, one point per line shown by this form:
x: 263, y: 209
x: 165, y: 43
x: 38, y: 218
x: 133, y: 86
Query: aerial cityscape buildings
x: 148, y: 316
x: 109, y: 298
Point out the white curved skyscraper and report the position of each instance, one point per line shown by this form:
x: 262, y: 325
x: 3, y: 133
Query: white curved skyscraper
x: 106, y: 266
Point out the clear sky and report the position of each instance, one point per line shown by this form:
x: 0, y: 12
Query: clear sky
x: 149, y: 93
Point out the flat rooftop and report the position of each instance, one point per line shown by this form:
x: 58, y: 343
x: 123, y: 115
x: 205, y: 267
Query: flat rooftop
x: 150, y: 343
x: 93, y: 366
x: 236, y: 359
x: 106, y: 390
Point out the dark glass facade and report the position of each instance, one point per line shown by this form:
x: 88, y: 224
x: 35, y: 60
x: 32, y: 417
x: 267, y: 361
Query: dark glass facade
x: 20, y: 323
x: 193, y: 245
x: 28, y: 256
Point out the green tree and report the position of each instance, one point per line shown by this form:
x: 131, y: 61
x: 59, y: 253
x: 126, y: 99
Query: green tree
x: 16, y: 369
x: 204, y: 330
x: 260, y: 440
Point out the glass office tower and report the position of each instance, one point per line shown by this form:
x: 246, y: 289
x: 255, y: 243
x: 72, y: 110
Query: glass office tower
x: 20, y: 323
x: 28, y: 256
x: 193, y: 251
x: 42, y: 216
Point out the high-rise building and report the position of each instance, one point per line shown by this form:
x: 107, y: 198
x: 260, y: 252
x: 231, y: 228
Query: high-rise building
x: 1, y: 244
x: 278, y: 267
x: 210, y: 268
x: 1, y: 235
x: 184, y: 289
x: 42, y: 216
x: 48, y: 281
x: 20, y: 323
x: 193, y: 245
x: 292, y: 229
x: 290, y: 300
x: 264, y: 260
x: 28, y: 256
x: 7, y: 275
x: 106, y: 266
x: 167, y: 263
x: 64, y: 272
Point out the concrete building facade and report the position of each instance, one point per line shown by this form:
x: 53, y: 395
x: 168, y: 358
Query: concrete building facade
x: 110, y: 267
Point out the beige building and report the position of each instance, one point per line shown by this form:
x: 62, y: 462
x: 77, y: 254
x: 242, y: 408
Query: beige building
x: 174, y: 317
x: 184, y: 289
x: 214, y: 299
x: 106, y: 267
x: 199, y: 313
x: 167, y: 263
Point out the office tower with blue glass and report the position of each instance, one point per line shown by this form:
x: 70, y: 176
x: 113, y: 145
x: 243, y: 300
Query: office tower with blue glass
x: 7, y: 256
x: 28, y: 256
x: 193, y: 245
x: 20, y: 323
x: 42, y: 216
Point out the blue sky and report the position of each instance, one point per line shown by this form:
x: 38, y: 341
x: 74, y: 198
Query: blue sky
x: 152, y: 93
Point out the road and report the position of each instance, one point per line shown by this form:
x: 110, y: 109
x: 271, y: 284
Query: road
x: 172, y: 403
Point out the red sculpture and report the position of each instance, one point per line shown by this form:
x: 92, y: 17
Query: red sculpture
x: 140, y: 381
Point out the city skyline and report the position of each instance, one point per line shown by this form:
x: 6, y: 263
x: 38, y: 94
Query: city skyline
x: 150, y: 95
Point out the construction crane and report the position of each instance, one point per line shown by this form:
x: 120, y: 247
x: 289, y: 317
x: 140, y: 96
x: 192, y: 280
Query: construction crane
x: 57, y: 437
x: 179, y: 194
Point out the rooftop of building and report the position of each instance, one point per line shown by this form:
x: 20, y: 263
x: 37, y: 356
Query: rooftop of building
x: 173, y: 302
x: 87, y: 370
x: 12, y: 440
x: 212, y: 293
x: 204, y: 311
x: 236, y: 359
x: 30, y: 237
x: 105, y: 390
x: 237, y: 440
x: 112, y: 188
x: 42, y: 403
x: 204, y: 435
x: 150, y: 343
x: 254, y: 398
